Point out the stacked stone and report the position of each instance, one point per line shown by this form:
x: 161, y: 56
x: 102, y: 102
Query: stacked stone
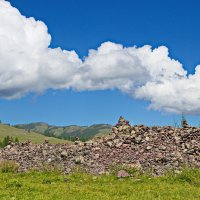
x: 184, y: 123
x: 122, y: 126
x: 141, y: 147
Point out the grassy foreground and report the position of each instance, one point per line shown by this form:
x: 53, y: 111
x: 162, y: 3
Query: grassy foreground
x: 79, y: 186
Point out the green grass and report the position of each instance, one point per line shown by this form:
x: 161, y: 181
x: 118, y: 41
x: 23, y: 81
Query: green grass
x: 23, y: 135
x: 79, y: 186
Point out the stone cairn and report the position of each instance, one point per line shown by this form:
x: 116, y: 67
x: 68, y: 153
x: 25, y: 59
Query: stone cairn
x: 121, y: 126
x: 184, y: 123
x: 156, y: 149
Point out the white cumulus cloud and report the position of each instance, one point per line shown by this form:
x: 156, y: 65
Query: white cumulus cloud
x: 28, y: 64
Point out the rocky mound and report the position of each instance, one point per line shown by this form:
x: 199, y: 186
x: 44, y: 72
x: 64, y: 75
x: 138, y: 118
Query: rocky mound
x: 155, y: 149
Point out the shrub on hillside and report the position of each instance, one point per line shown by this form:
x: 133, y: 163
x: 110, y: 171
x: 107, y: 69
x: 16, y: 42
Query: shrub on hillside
x: 7, y: 140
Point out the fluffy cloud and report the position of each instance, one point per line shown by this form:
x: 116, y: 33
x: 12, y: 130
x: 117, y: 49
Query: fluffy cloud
x: 27, y: 64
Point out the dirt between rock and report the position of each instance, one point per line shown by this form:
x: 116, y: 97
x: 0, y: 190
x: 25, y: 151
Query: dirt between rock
x: 155, y: 149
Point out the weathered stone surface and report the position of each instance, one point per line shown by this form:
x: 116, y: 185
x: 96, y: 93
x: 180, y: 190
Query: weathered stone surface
x: 79, y: 160
x: 64, y: 153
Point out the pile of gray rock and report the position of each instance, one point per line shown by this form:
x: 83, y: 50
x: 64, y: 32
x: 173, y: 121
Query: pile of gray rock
x: 155, y: 149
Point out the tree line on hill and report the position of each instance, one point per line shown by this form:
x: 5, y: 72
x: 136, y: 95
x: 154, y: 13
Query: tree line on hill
x: 7, y: 140
x: 65, y: 137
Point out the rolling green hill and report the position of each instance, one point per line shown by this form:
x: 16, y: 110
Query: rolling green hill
x: 67, y: 132
x: 23, y: 135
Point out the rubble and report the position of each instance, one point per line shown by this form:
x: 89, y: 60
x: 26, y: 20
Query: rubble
x: 122, y: 174
x: 155, y: 149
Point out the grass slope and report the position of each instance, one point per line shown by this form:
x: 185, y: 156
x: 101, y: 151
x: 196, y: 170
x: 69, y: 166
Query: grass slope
x: 51, y: 186
x: 23, y: 135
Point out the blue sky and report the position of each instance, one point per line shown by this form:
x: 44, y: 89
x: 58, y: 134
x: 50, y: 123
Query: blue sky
x: 83, y: 25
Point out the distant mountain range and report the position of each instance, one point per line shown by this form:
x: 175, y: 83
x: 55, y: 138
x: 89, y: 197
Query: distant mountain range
x: 67, y: 132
